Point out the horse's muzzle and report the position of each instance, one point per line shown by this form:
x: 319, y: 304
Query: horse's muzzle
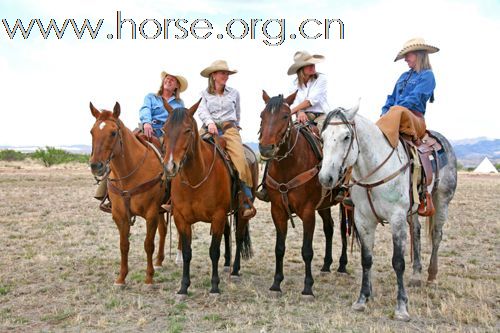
x: 267, y: 151
x: 98, y: 168
x: 326, y: 180
x: 171, y: 168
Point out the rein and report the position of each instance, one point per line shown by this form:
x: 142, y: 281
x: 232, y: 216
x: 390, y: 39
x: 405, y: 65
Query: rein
x: 112, y: 155
x: 185, y: 182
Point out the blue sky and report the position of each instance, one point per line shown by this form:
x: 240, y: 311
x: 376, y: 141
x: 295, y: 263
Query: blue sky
x: 47, y: 85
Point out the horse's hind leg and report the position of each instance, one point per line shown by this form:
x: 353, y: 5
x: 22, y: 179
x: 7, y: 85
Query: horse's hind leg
x: 416, y: 279
x: 149, y: 246
x: 436, y: 223
x: 398, y: 263
x: 227, y: 246
x: 328, y: 230
x: 308, y: 219
x: 346, y: 217
x: 162, y: 232
x: 281, y: 223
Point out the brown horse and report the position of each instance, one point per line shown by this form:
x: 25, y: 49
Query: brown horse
x: 133, y: 174
x: 293, y: 186
x: 201, y: 191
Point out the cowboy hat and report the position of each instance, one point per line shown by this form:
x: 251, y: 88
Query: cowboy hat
x: 183, y: 83
x: 415, y: 44
x: 303, y: 58
x: 217, y: 65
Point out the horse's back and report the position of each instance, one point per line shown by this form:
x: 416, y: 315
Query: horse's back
x: 253, y: 163
x: 448, y: 173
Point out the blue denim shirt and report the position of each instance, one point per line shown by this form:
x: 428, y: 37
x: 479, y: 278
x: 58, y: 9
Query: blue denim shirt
x: 412, y: 90
x: 153, y: 111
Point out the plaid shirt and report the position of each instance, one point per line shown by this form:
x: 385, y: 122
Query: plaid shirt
x: 220, y: 108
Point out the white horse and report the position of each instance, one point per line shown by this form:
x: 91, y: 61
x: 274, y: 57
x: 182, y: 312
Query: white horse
x: 380, y: 190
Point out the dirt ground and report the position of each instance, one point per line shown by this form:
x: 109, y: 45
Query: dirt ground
x: 60, y: 256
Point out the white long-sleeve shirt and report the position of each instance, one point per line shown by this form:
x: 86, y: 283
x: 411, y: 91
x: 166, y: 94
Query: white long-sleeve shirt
x: 220, y: 108
x: 315, y: 92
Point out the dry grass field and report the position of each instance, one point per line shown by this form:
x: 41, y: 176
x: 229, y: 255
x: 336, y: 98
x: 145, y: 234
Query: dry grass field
x: 60, y: 256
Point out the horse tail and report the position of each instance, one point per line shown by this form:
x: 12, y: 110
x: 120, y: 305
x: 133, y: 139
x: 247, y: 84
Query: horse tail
x: 430, y: 227
x: 246, y: 242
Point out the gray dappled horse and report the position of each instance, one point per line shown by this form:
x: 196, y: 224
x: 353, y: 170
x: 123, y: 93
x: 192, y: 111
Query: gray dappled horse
x: 351, y: 140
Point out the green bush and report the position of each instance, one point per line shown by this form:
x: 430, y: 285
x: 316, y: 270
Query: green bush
x: 51, y: 156
x: 12, y: 155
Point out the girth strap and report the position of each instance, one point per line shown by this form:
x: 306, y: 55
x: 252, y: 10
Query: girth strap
x: 297, y: 181
x: 127, y: 194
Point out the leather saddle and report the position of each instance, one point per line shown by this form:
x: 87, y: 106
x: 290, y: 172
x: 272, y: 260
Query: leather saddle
x: 425, y: 170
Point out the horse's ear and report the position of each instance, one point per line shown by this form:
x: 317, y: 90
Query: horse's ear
x: 167, y: 106
x: 116, y: 110
x: 94, y: 111
x: 353, y: 111
x: 289, y: 100
x: 265, y: 96
x: 193, y: 109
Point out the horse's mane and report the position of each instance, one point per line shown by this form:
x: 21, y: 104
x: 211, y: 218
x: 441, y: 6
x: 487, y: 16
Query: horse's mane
x: 337, y: 112
x: 274, y: 103
x: 177, y: 116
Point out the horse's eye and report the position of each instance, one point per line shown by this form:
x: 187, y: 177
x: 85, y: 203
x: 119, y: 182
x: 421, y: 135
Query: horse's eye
x: 187, y: 130
x: 113, y: 134
x: 286, y: 116
x: 347, y: 137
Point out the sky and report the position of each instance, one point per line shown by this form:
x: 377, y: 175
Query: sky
x: 46, y: 84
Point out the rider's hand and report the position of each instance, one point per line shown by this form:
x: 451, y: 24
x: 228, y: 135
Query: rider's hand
x: 301, y: 117
x: 148, y: 130
x: 212, y: 129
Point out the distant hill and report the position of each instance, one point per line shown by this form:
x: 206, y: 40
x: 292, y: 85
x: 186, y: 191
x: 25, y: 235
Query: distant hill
x: 470, y: 152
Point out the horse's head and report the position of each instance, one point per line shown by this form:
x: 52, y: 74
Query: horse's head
x: 180, y: 134
x: 276, y: 123
x: 105, y: 137
x: 340, y: 146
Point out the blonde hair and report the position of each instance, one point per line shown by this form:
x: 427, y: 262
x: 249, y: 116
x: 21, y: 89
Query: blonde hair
x: 301, y: 77
x: 177, y: 93
x: 423, y: 61
x: 211, y: 84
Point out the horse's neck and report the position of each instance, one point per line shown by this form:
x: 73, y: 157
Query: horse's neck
x: 130, y: 154
x: 373, y: 151
x: 197, y: 160
x: 298, y: 158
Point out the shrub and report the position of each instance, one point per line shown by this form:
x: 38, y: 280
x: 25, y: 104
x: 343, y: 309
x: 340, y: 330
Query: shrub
x: 50, y: 156
x: 11, y: 155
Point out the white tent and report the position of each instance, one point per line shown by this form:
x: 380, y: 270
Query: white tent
x: 486, y: 167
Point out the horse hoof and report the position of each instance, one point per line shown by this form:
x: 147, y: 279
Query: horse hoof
x: 119, y: 285
x: 214, y: 295
x: 401, y: 316
x: 227, y: 269
x: 150, y: 286
x: 180, y: 297
x: 415, y: 282
x: 325, y: 272
x: 235, y: 278
x: 158, y: 268
x: 275, y: 293
x: 360, y: 307
x: 308, y: 298
x: 432, y: 283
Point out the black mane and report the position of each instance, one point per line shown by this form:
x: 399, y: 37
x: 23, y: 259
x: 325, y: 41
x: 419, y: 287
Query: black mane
x: 274, y: 102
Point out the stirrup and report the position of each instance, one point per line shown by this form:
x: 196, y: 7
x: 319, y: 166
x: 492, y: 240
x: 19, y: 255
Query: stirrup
x: 262, y: 195
x: 105, y: 206
x: 167, y: 206
x: 426, y: 207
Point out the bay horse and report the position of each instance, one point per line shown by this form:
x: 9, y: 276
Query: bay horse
x: 380, y: 190
x: 134, y: 176
x: 201, y: 191
x: 293, y: 169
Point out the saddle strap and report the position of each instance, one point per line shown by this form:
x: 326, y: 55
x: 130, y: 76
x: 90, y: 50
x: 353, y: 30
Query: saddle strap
x: 127, y: 194
x: 283, y: 188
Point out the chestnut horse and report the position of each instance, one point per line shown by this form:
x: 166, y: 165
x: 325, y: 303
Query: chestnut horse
x: 201, y: 191
x: 133, y: 173
x: 293, y: 169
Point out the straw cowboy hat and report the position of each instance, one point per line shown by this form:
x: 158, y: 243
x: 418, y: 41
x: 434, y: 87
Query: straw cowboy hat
x: 415, y: 44
x: 217, y: 65
x: 183, y: 83
x: 303, y: 58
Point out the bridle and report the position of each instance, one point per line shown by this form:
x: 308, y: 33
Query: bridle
x: 118, y: 138
x: 351, y: 126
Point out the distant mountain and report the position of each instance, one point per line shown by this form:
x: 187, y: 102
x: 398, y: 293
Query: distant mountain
x: 470, y: 152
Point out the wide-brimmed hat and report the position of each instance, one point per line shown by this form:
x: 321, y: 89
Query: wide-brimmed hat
x: 217, y: 65
x: 183, y: 83
x: 303, y: 58
x: 415, y: 44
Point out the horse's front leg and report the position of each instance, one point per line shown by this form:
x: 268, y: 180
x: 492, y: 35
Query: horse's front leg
x: 280, y: 220
x: 346, y: 217
x: 162, y: 232
x: 328, y: 230
x: 218, y: 226
x: 398, y: 263
x: 308, y: 220
x: 149, y: 245
x: 184, y: 230
x: 124, y: 230
x: 366, y: 231
x: 227, y: 246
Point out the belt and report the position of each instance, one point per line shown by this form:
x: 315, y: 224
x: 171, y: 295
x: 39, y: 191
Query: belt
x: 225, y: 125
x: 157, y: 122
